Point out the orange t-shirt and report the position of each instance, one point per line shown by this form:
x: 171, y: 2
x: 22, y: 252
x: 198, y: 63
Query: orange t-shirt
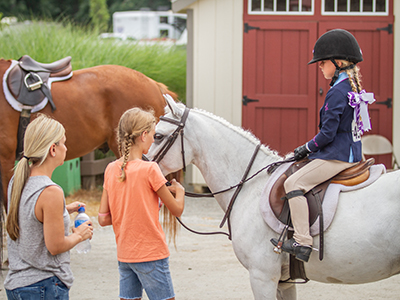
x: 135, y: 212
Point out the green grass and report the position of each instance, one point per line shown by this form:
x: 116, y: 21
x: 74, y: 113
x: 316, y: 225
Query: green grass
x: 48, y: 41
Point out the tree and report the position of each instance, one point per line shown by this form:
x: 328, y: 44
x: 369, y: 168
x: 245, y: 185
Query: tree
x: 99, y: 14
x: 79, y: 11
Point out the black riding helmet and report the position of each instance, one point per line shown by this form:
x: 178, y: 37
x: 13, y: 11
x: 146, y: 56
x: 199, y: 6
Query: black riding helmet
x: 337, y: 44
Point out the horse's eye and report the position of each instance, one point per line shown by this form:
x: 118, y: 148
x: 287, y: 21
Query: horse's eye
x: 158, y: 137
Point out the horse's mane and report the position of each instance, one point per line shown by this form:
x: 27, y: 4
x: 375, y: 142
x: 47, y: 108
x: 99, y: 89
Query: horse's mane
x: 245, y: 133
x: 164, y: 90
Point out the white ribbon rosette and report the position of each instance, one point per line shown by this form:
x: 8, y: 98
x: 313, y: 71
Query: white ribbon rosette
x: 360, y: 101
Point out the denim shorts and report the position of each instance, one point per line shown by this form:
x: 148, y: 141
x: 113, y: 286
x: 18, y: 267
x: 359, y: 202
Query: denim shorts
x: 153, y: 276
x: 48, y: 289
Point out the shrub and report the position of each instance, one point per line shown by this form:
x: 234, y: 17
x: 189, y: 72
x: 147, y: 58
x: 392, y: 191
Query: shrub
x: 48, y: 41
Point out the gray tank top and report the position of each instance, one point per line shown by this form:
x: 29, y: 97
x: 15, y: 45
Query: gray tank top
x: 29, y: 259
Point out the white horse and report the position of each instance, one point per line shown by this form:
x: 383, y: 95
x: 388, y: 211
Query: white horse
x: 361, y: 245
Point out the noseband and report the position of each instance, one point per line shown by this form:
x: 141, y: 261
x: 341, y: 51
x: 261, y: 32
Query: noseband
x: 172, y: 138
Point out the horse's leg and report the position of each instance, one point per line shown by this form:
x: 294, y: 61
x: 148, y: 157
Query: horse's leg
x: 112, y: 144
x: 286, y: 291
x: 2, y: 195
x: 264, y: 286
x: 7, y: 166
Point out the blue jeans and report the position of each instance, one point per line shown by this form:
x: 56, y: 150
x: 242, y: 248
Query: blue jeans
x: 48, y: 289
x: 153, y: 276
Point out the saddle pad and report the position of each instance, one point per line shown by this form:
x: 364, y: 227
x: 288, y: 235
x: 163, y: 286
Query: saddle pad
x: 18, y: 106
x: 328, y: 205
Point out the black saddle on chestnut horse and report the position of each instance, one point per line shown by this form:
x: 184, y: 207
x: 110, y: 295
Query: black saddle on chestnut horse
x: 27, y: 81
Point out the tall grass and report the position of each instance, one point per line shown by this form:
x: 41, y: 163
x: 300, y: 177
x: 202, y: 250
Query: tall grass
x: 48, y: 41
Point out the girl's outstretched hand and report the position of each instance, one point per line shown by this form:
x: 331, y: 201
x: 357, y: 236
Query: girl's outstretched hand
x: 173, y: 196
x: 175, y: 187
x: 74, y: 206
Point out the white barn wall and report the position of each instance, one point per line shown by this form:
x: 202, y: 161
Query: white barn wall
x: 396, y: 81
x: 217, y: 61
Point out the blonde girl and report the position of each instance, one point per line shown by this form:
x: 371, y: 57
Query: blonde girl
x: 38, y: 220
x: 130, y: 202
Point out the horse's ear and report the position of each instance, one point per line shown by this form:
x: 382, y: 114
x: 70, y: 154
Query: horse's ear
x: 172, y: 105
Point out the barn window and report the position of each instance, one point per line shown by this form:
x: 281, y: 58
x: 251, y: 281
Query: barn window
x: 355, y: 7
x: 163, y: 20
x: 282, y: 7
x: 164, y: 33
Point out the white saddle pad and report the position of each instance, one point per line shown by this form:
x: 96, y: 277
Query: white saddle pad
x: 19, y: 106
x: 328, y: 205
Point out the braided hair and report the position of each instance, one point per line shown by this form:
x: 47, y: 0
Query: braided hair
x: 354, y: 76
x: 132, y: 124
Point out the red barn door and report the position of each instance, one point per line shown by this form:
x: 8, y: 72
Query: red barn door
x: 276, y: 74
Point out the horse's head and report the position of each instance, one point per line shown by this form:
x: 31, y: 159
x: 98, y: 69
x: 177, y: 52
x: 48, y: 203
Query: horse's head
x: 169, y: 148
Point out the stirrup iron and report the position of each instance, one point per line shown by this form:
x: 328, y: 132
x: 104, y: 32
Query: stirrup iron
x: 278, y: 247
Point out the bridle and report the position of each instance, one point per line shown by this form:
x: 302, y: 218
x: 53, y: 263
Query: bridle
x: 171, y: 140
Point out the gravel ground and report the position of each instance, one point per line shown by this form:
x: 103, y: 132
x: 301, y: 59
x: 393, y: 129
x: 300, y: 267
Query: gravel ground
x: 202, y: 267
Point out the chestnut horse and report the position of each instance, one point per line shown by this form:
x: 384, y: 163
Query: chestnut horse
x: 89, y: 106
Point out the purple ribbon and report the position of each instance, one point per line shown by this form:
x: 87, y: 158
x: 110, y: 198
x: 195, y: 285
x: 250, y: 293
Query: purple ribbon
x: 360, y: 101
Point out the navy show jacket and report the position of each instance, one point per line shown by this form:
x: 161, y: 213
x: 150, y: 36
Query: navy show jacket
x: 337, y: 138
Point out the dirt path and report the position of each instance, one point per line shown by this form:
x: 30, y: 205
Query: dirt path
x: 202, y: 267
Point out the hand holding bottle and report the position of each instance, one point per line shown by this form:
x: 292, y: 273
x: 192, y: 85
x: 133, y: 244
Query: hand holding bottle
x: 83, y: 226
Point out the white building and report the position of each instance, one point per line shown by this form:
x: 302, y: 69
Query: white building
x: 149, y: 24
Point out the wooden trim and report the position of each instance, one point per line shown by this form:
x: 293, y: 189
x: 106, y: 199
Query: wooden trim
x: 189, y: 58
x: 180, y: 5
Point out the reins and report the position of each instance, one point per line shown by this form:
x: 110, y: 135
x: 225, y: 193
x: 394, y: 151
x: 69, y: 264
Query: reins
x: 172, y: 138
x: 270, y: 168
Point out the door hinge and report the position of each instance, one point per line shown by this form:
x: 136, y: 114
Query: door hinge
x: 247, y: 27
x: 388, y: 102
x: 388, y: 28
x: 246, y: 100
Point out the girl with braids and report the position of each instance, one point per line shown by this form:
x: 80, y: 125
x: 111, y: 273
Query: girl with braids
x: 130, y: 202
x: 38, y: 220
x: 337, y: 146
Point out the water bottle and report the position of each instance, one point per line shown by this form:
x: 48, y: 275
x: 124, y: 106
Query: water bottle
x: 84, y: 246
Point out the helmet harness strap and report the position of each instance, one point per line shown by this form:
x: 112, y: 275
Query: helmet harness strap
x: 338, y: 70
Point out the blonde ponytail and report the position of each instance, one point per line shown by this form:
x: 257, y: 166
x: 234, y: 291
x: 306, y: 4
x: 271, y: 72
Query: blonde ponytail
x: 21, y: 175
x: 40, y: 134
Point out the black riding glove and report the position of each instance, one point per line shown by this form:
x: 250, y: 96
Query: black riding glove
x: 300, y: 152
